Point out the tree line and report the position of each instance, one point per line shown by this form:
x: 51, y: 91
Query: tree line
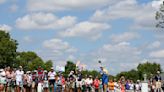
x: 9, y: 56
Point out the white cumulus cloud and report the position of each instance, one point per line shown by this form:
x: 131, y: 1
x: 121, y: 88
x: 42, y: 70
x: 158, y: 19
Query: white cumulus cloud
x: 60, y: 5
x: 127, y: 36
x: 156, y: 4
x: 58, y: 46
x: 5, y: 27
x: 86, y: 29
x: 143, y: 15
x: 154, y: 45
x: 157, y: 54
x: 44, y: 21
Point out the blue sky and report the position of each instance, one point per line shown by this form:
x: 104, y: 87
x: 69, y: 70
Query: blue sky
x: 120, y: 33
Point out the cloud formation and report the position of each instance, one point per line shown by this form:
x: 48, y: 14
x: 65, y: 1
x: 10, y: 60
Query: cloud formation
x: 58, y: 46
x: 141, y: 14
x: 60, y: 5
x: 127, y: 36
x: 44, y: 21
x: 5, y: 27
x: 157, y: 54
x: 86, y: 29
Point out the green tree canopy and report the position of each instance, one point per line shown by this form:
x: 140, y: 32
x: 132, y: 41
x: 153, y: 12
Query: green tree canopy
x: 148, y: 68
x: 70, y: 66
x: 31, y: 61
x: 48, y: 65
x: 144, y: 68
x: 8, y: 47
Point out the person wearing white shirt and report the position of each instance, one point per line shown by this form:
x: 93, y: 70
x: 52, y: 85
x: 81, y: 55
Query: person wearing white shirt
x: 89, y: 82
x: 2, y: 79
x: 19, y: 78
x: 51, y: 78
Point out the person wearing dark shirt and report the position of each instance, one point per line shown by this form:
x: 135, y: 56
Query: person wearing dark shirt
x: 158, y: 82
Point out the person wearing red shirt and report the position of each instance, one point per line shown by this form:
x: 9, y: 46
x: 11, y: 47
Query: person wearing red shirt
x: 96, y: 84
x: 40, y: 73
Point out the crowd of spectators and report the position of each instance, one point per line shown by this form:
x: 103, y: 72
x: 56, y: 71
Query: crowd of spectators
x: 40, y: 80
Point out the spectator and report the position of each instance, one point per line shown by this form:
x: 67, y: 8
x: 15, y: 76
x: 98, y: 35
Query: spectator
x: 34, y: 81
x: 45, y: 81
x: 51, y: 78
x: 96, y: 84
x: 19, y: 79
x: 111, y: 86
x: 89, y: 82
x: 2, y: 80
x: 158, y: 82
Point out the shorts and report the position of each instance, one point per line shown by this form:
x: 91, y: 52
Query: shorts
x: 33, y: 84
x: 8, y: 82
x: 19, y: 83
x: 52, y: 81
x: 78, y: 84
x: 158, y: 84
x: 45, y: 84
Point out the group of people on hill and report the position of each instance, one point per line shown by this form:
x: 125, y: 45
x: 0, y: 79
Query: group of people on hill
x: 40, y: 80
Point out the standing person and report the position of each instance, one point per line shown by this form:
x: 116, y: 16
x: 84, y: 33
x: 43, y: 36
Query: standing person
x: 116, y: 86
x: 158, y: 82
x: 127, y: 85
x: 122, y: 80
x: 100, y: 86
x: 89, y: 82
x: 9, y: 76
x: 45, y: 81
x: 2, y: 80
x: 104, y: 78
x: 67, y: 85
x: 131, y: 84
x: 13, y: 80
x: 111, y: 86
x: 138, y: 86
x: 25, y: 78
x: 51, y: 78
x: 83, y: 83
x: 40, y: 73
x: 96, y: 84
x: 34, y: 81
x: 29, y: 81
x: 79, y: 79
x: 63, y: 83
x: 19, y: 79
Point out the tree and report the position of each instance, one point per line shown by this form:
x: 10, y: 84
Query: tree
x: 8, y: 47
x: 145, y: 68
x: 160, y: 16
x: 36, y: 63
x: 48, y: 65
x: 132, y: 75
x: 148, y: 68
x: 31, y: 61
x: 70, y: 66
